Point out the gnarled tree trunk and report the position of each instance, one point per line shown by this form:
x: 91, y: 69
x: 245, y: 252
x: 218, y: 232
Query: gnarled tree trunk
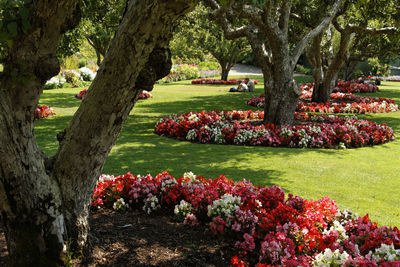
x: 45, y: 201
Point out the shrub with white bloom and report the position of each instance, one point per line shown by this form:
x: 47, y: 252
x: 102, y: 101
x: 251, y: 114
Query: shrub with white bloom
x: 386, y: 252
x: 183, y: 209
x: 55, y: 82
x: 330, y: 258
x: 224, y: 207
x: 120, y: 205
x: 151, y: 204
x: 338, y: 227
x: 191, y: 135
x: 219, y: 139
x: 87, y: 74
x: 191, y: 176
x: 244, y: 136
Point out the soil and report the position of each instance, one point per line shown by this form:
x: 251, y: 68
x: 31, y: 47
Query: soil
x: 129, y: 239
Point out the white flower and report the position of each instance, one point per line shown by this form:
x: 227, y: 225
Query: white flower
x: 330, y: 258
x: 224, y: 207
x: 120, y: 205
x: 183, y: 209
x: 87, y: 74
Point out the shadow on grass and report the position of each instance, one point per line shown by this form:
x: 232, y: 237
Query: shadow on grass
x: 60, y: 100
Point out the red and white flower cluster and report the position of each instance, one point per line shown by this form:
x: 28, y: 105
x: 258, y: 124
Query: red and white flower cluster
x: 349, y: 87
x: 43, y: 111
x: 240, y: 127
x: 144, y: 95
x: 266, y: 227
x: 217, y: 81
x: 360, y: 104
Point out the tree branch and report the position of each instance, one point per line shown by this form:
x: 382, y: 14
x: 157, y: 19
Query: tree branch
x: 325, y: 22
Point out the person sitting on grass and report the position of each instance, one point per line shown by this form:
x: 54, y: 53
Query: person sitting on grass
x: 250, y: 84
x: 243, y: 87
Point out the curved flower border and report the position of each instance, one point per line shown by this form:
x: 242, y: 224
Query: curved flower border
x: 360, y: 104
x: 217, y: 81
x: 235, y: 127
x: 43, y: 111
x: 269, y: 228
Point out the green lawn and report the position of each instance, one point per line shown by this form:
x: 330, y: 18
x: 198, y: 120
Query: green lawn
x: 366, y: 180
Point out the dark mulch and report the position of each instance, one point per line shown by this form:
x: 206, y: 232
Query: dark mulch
x: 139, y: 240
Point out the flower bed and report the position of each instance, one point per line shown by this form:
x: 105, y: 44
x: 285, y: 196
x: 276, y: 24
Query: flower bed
x: 43, y: 111
x: 217, y: 81
x: 240, y: 128
x: 349, y: 87
x: 360, y: 104
x: 265, y: 226
x: 144, y: 95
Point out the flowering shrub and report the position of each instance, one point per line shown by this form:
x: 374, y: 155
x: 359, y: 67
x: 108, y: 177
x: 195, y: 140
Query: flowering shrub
x: 360, y: 104
x: 55, y: 82
x: 266, y: 227
x: 87, y: 74
x: 43, y: 111
x: 237, y: 127
x: 144, y: 95
x: 217, y: 81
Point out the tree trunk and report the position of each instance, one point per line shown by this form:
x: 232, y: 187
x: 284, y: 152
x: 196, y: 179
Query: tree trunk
x: 224, y: 73
x: 322, y: 90
x: 45, y: 201
x: 30, y: 200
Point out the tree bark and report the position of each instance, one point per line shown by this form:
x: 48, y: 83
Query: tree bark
x: 30, y: 200
x: 45, y: 201
x: 323, y: 89
x: 224, y: 71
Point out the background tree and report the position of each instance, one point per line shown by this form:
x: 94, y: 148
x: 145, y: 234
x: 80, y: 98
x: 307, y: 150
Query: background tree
x: 267, y: 30
x: 384, y: 48
x: 355, y: 19
x: 99, y: 23
x: 44, y: 200
x: 200, y: 34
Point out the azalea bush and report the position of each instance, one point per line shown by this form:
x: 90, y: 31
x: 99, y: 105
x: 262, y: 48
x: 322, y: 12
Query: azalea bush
x: 87, y: 74
x: 245, y: 128
x: 43, y: 111
x: 266, y: 226
x: 218, y: 81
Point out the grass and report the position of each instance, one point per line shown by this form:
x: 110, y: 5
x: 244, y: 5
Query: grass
x: 366, y: 180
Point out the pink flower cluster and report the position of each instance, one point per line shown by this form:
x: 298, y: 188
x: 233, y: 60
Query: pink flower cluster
x: 43, y: 111
x: 218, y: 81
x: 266, y: 227
x: 350, y: 87
x: 359, y: 104
x: 244, y: 128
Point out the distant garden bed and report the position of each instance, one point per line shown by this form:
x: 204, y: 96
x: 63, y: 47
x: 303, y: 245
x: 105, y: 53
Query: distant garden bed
x: 218, y: 81
x: 246, y: 128
x: 340, y: 103
x: 263, y: 224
